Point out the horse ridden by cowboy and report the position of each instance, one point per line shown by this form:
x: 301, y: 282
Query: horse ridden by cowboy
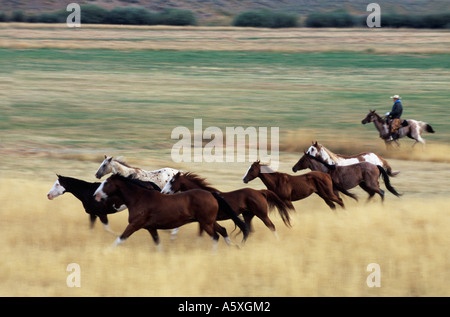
x: 395, y: 123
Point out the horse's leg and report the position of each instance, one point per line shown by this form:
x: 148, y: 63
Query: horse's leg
x: 173, y: 233
x: 209, y: 228
x: 104, y: 220
x: 154, y: 233
x: 92, y: 219
x: 248, y: 216
x: 129, y: 230
x: 223, y: 232
x: 260, y: 210
x: 374, y: 188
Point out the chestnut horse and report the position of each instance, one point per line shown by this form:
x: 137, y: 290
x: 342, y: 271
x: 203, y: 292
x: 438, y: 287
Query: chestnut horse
x: 291, y: 188
x: 151, y: 210
x: 363, y: 174
x: 250, y: 202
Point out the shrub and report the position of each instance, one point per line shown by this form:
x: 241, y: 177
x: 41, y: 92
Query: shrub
x: 17, y: 16
x: 266, y: 18
x: 131, y: 15
x: 337, y: 19
x: 176, y: 17
x: 93, y: 14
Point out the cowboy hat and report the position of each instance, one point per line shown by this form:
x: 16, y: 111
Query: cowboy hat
x: 396, y: 97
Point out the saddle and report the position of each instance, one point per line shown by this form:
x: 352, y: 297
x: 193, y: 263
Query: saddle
x: 396, y: 124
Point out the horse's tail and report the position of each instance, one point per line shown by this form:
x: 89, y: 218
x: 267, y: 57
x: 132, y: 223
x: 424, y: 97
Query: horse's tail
x: 387, y: 181
x: 225, y: 207
x: 274, y: 201
x: 388, y: 167
x: 429, y: 128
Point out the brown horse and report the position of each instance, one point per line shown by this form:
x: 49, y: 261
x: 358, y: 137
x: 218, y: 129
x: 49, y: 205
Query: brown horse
x: 250, y: 202
x: 291, y: 188
x: 151, y: 210
x: 346, y: 177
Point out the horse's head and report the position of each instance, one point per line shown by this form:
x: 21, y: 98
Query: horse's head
x: 252, y: 172
x: 105, y: 167
x: 57, y: 189
x: 318, y: 151
x: 174, y: 185
x: 370, y: 117
x: 303, y: 163
x: 107, y: 188
x: 314, y: 149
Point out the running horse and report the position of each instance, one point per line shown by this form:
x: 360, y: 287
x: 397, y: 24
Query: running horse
x: 250, y: 202
x: 291, y: 188
x: 116, y: 166
x: 152, y: 210
x: 317, y: 150
x: 84, y: 191
x: 361, y: 174
x: 412, y: 130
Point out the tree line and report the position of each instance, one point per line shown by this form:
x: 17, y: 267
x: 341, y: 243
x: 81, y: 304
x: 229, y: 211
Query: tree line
x: 254, y: 18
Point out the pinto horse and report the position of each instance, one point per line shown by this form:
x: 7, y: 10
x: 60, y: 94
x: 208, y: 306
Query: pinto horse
x: 84, y: 191
x: 152, y: 210
x: 291, y: 188
x: 319, y: 151
x: 346, y: 177
x: 250, y: 202
x: 412, y: 130
x: 116, y: 166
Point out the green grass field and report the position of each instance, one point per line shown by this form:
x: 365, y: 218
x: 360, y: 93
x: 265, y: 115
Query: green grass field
x: 106, y: 99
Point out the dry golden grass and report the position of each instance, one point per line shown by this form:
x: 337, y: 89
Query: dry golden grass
x: 26, y: 36
x: 323, y: 254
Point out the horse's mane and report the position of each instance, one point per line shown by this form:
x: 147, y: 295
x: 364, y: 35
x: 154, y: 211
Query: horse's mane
x: 199, y: 181
x: 121, y: 161
x: 265, y: 168
x: 333, y: 156
x: 137, y: 182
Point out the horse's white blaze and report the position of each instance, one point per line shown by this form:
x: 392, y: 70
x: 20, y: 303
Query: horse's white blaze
x: 312, y: 151
x: 167, y: 189
x: 248, y: 170
x: 56, y: 190
x: 99, y: 194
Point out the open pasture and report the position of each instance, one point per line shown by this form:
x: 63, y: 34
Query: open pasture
x: 73, y: 95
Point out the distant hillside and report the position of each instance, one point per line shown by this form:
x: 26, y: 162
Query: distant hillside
x: 224, y: 10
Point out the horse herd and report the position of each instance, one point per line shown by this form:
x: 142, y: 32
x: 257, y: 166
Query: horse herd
x: 168, y: 198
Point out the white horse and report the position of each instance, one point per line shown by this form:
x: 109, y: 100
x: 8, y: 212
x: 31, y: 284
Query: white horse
x: 319, y: 151
x: 116, y: 166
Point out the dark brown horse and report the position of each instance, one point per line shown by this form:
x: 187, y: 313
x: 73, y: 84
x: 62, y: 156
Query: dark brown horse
x: 291, y: 188
x: 364, y: 174
x: 151, y: 210
x: 250, y: 202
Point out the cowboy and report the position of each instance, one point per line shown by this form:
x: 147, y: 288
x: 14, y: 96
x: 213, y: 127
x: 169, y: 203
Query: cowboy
x: 394, y: 115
